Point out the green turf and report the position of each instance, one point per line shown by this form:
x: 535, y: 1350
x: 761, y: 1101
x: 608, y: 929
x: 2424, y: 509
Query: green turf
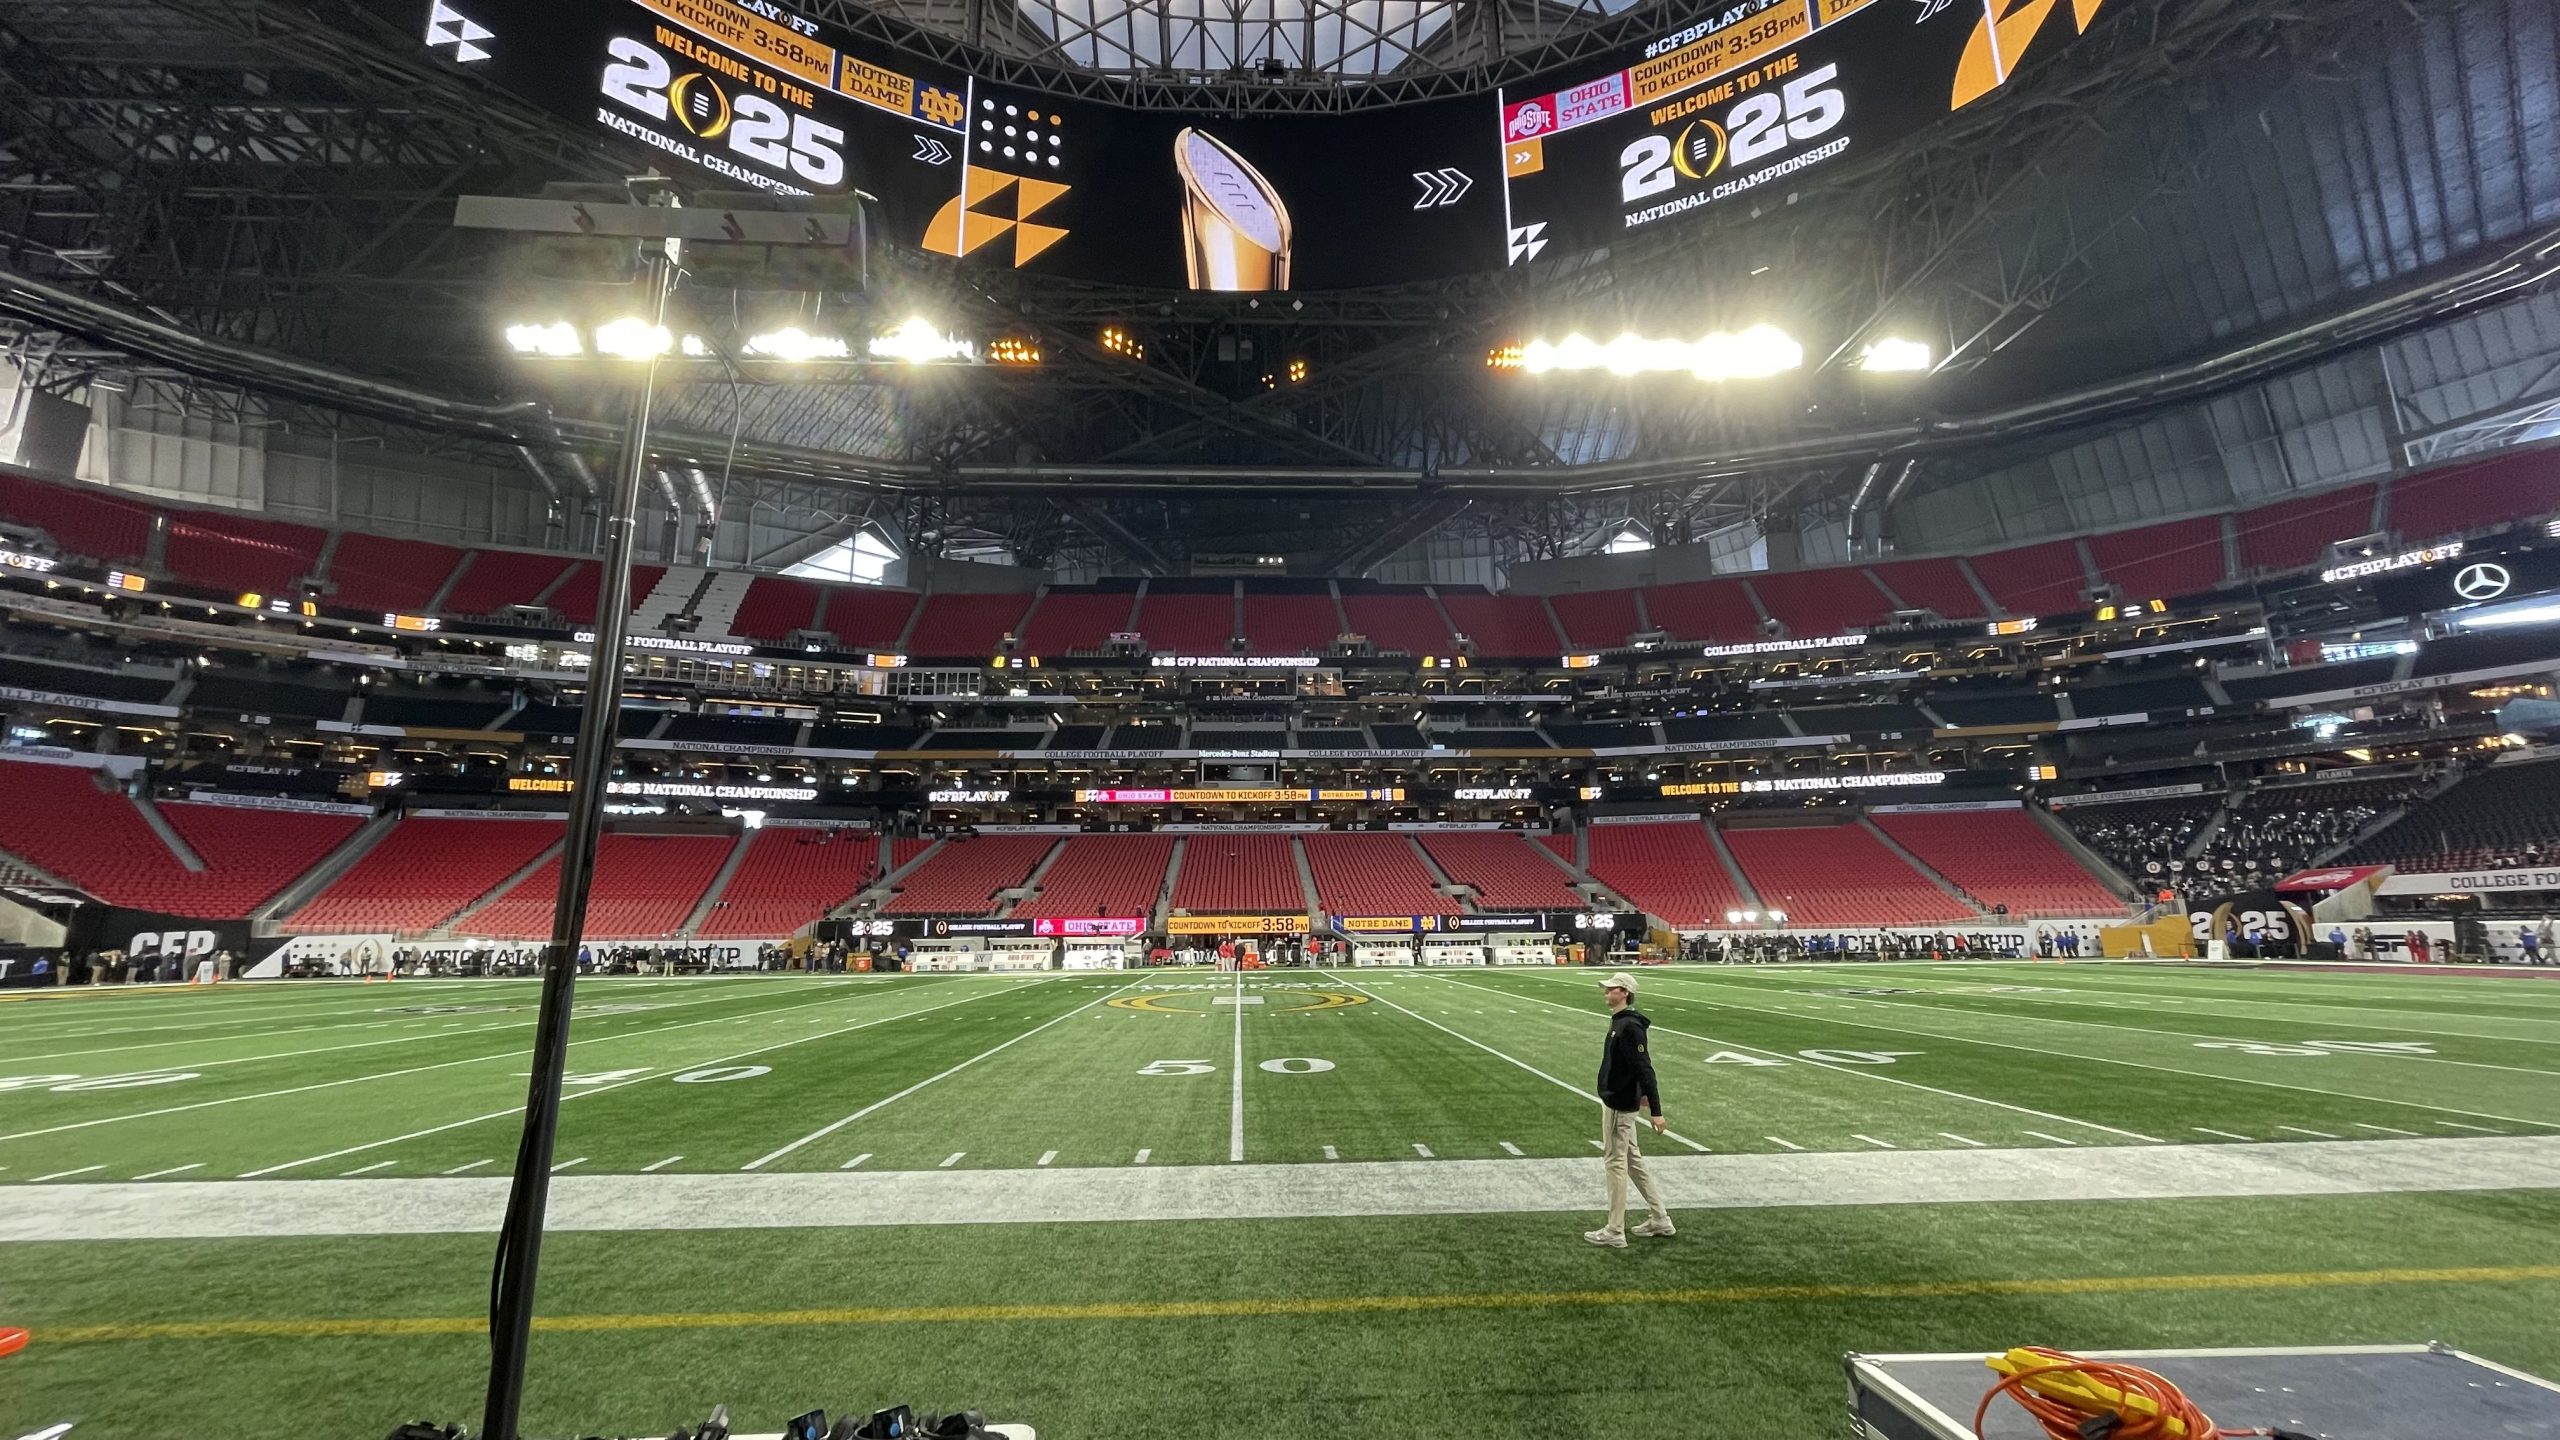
x: 421, y: 1079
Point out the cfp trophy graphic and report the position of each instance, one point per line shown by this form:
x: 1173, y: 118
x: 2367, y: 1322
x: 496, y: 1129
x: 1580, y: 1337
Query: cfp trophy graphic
x: 1235, y: 230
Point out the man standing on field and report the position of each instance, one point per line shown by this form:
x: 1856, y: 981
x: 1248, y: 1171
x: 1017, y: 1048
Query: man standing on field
x: 1627, y: 1086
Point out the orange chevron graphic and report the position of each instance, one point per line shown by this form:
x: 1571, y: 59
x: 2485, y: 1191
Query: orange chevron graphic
x: 1991, y: 56
x: 961, y: 228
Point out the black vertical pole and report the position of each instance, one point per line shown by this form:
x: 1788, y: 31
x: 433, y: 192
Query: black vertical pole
x: 520, y: 1238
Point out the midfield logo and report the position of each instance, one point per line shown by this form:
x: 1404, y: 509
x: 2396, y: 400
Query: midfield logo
x: 448, y: 26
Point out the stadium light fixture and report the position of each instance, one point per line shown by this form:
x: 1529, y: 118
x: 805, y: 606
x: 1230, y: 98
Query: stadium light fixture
x: 632, y: 338
x: 558, y: 340
x: 1777, y: 917
x: 1733, y: 917
x: 793, y: 344
x: 916, y: 342
x: 1752, y: 354
x: 1892, y: 355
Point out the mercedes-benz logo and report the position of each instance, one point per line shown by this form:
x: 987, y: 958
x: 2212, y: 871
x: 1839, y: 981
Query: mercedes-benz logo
x: 2484, y: 581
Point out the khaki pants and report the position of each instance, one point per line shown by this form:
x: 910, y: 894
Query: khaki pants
x: 1623, y: 1161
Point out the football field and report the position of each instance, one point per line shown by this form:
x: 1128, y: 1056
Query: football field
x: 1185, y: 1203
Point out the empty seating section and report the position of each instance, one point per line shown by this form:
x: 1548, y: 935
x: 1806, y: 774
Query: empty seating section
x: 1408, y: 623
x: 905, y: 849
x: 1117, y: 875
x: 500, y: 578
x: 774, y: 606
x: 1373, y: 874
x: 2290, y: 534
x: 58, y: 820
x: 2162, y: 562
x: 1597, y: 619
x: 2504, y: 815
x: 1668, y: 870
x: 376, y: 572
x: 2514, y: 486
x: 962, y: 625
x: 2042, y: 579
x: 1838, y: 875
x: 1290, y: 624
x: 1937, y: 585
x: 1822, y: 602
x: 423, y: 873
x: 1239, y: 875
x: 2003, y: 857
x: 240, y: 553
x: 91, y: 520
x: 1510, y: 626
x: 1200, y: 624
x: 963, y: 876
x: 1068, y: 620
x: 872, y: 619
x: 1562, y: 845
x: 791, y: 877
x: 646, y: 886
x: 1718, y: 611
x: 1506, y: 870
x: 580, y: 594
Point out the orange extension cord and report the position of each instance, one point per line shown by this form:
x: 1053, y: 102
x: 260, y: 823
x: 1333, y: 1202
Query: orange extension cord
x: 2169, y: 1416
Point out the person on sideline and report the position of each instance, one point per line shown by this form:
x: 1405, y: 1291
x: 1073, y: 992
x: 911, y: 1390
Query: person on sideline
x: 1627, y: 1086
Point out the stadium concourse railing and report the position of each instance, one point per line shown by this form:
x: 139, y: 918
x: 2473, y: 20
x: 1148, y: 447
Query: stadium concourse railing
x: 223, y: 553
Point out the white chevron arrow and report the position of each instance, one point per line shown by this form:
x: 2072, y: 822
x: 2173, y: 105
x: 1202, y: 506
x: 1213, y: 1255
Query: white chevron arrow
x: 931, y: 151
x: 1441, y: 187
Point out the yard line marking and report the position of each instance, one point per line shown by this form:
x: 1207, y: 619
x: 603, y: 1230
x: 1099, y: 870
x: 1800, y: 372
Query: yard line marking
x: 824, y: 1131
x: 578, y: 1094
x: 1906, y: 1032
x: 1498, y: 1055
x: 2458, y: 1125
x: 172, y: 1170
x: 1871, y: 1075
x: 1142, y: 1157
x: 1879, y: 1144
x: 655, y: 1167
x: 1787, y: 1144
x: 386, y: 1075
x: 2298, y: 1130
x: 951, y: 1159
x: 1288, y: 1306
x: 1422, y: 1150
x: 2056, y: 1139
x: 474, y: 1165
x: 1329, y: 1153
x: 2225, y: 1134
x: 1599, y: 1144
x: 1235, y: 1110
x: 367, y: 1169
x: 58, y: 1174
x: 1507, y: 1147
x: 2385, y: 1129
x: 563, y: 1165
x: 1045, y: 1157
x: 1961, y: 1140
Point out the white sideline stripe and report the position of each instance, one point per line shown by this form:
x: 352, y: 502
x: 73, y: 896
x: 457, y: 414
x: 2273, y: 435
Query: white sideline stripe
x: 172, y: 1170
x: 2056, y: 1139
x: 474, y: 1165
x: 1045, y: 1157
x: 1786, y: 1144
x: 579, y: 1094
x: 1893, y: 1080
x: 653, y: 1169
x: 1961, y: 1140
x: 367, y: 1169
x: 1507, y: 1147
x: 823, y: 1131
x: 58, y: 1174
x: 1235, y: 1110
x: 1498, y: 1055
x: 217, y: 1209
x: 2227, y: 1135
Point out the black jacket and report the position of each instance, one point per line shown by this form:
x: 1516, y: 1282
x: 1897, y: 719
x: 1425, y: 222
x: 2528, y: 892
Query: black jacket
x: 1626, y: 1065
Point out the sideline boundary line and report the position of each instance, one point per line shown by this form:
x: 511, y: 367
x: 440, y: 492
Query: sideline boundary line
x: 1291, y: 1306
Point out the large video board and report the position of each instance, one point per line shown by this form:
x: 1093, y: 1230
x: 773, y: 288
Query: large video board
x: 1754, y: 96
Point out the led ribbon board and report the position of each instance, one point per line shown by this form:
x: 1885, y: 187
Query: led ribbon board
x: 1752, y: 97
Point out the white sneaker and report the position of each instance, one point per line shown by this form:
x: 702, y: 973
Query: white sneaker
x: 1610, y: 1238
x: 1653, y: 1228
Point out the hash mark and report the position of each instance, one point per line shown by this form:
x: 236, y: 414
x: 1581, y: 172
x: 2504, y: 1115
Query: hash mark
x: 2225, y: 1134
x: 1329, y: 1153
x: 376, y: 1165
x: 58, y: 1174
x: 2056, y: 1139
x: 565, y: 1164
x: 952, y: 1159
x: 1879, y: 1144
x: 2385, y: 1129
x: 474, y: 1165
x: 661, y: 1165
x: 2458, y: 1125
x: 173, y: 1170
x: 1142, y: 1157
x: 1421, y: 1149
x: 1961, y: 1140
x: 1045, y: 1157
x: 1507, y: 1147
x: 2298, y: 1130
x: 1789, y: 1144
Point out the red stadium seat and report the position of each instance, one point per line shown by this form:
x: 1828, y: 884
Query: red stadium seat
x: 1239, y: 875
x: 646, y: 886
x: 1669, y: 870
x: 1118, y: 875
x: 424, y: 872
x: 963, y: 876
x: 1368, y: 873
x: 1506, y: 871
x: 1838, y: 875
x: 56, y: 818
x: 2002, y: 857
x: 791, y: 878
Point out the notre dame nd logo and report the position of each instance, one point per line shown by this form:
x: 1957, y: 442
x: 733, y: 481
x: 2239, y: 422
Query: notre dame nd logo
x: 992, y: 204
x: 1991, y: 58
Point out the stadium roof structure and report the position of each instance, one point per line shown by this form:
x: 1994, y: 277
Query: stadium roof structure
x: 2186, y: 237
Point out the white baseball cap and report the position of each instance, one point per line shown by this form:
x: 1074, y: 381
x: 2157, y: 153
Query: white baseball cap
x: 1620, y: 981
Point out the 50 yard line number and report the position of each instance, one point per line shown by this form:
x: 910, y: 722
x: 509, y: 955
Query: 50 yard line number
x: 1285, y: 1065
